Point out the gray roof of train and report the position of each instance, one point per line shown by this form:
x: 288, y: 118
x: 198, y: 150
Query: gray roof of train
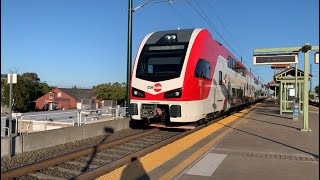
x: 183, y: 35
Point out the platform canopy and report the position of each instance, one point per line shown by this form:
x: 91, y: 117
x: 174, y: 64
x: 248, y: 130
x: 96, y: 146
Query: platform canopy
x: 289, y: 74
x: 284, y: 81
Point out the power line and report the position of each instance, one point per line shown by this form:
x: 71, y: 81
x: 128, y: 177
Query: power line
x: 182, y: 16
x: 214, y: 28
x: 210, y: 24
x: 216, y: 15
x: 213, y: 12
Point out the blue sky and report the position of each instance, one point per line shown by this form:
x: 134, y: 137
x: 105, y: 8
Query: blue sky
x: 84, y: 42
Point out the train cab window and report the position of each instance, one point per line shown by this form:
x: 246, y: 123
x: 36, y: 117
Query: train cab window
x: 220, y: 78
x: 202, y: 69
x: 159, y: 63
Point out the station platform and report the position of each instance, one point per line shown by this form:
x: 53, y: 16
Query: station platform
x: 255, y: 143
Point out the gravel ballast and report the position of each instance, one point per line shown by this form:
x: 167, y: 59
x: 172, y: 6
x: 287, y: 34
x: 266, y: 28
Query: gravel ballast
x: 42, y: 154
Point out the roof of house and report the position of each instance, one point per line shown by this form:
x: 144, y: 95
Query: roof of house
x: 79, y: 94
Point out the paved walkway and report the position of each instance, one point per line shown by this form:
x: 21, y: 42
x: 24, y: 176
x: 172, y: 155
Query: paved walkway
x: 261, y: 145
x: 256, y: 143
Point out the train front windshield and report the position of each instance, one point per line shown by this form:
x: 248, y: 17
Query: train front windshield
x: 159, y: 63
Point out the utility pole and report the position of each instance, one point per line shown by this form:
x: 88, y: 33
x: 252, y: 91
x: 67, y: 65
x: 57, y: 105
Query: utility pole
x: 10, y: 117
x: 12, y: 79
x: 129, y: 45
x: 311, y: 78
x: 129, y: 52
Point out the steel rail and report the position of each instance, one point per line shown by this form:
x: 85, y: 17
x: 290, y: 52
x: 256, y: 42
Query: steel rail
x: 20, y: 171
x: 315, y: 104
x: 94, y: 173
x: 97, y: 172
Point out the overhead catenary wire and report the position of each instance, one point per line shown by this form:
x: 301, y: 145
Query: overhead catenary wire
x: 207, y: 20
x: 226, y: 29
x: 177, y: 11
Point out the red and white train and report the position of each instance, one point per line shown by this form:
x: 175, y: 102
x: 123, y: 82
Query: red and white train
x: 185, y: 76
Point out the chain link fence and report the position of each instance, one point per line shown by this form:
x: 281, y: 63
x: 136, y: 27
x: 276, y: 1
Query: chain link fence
x: 88, y: 104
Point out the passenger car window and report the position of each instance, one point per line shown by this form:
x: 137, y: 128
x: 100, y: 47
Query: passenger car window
x: 202, y: 69
x: 220, y: 78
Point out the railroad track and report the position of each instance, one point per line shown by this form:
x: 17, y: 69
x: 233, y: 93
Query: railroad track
x: 315, y: 104
x: 95, y: 161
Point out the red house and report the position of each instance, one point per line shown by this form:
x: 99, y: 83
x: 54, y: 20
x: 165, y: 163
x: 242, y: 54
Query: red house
x: 66, y: 98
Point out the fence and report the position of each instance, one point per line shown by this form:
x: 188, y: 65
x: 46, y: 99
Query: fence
x: 75, y: 117
x: 88, y: 104
x: 46, y: 124
x: 46, y: 115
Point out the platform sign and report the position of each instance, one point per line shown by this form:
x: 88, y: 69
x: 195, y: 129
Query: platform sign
x: 291, y: 92
x: 287, y: 58
x: 13, y: 77
x: 316, y: 57
x: 295, y: 109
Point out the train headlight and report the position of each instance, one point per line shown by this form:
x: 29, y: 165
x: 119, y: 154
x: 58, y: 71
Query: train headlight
x: 176, y: 93
x: 138, y: 93
x: 168, y: 38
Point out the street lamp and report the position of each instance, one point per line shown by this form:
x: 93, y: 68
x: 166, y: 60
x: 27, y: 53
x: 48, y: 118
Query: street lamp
x: 129, y: 49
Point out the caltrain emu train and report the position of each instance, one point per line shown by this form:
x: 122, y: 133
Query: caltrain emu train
x: 183, y: 77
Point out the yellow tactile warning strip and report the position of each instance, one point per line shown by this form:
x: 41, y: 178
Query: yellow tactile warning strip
x: 153, y: 160
x: 173, y: 172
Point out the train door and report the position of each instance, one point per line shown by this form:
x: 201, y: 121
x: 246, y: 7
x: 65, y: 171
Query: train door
x: 222, y: 91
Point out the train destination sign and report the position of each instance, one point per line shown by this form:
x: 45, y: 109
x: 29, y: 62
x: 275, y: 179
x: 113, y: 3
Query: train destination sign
x: 261, y: 59
x: 163, y: 48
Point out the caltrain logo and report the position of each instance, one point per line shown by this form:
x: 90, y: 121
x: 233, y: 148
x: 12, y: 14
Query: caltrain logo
x: 157, y: 87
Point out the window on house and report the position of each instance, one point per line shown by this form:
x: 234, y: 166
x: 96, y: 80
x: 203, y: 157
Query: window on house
x: 50, y: 96
x: 59, y: 94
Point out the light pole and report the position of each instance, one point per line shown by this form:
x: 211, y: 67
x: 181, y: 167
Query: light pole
x: 129, y: 52
x: 129, y: 45
x: 12, y: 79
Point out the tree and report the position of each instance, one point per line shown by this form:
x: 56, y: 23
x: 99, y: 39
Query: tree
x: 31, y: 76
x: 22, y: 93
x: 316, y: 89
x: 27, y: 89
x: 43, y: 88
x: 108, y: 91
